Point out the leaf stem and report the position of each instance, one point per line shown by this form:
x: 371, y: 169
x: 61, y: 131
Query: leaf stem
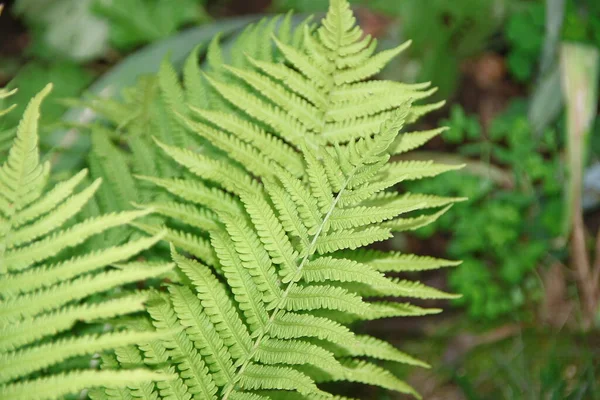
x: 310, y: 251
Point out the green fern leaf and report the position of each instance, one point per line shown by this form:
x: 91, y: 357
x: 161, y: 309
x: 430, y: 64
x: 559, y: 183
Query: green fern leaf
x: 57, y: 386
x: 290, y: 181
x: 44, y: 288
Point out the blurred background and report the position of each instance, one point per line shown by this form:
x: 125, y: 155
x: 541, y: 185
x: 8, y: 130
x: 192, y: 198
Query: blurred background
x: 520, y: 78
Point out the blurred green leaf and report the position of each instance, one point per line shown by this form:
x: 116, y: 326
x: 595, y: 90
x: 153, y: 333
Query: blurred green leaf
x: 135, y: 22
x: 69, y: 80
x: 525, y: 34
x: 582, y: 22
x: 461, y: 126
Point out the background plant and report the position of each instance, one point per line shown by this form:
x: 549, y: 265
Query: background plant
x: 510, y: 223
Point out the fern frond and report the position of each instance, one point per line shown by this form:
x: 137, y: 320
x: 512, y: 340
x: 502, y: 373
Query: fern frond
x: 352, y: 239
x: 201, y: 331
x: 194, y: 244
x: 395, y: 262
x: 46, y: 275
x: 57, y: 386
x: 247, y: 396
x: 319, y: 297
x: 22, y: 176
x: 18, y: 259
x: 52, y: 198
x: 197, y: 193
x: 6, y: 133
x: 295, y: 352
x: 371, y: 374
x: 23, y: 362
x: 109, y: 162
x: 245, y: 292
x: 368, y: 346
x: 29, y: 330
x: 4, y: 94
x: 218, y: 306
x: 181, y: 349
x: 47, y: 280
x: 294, y: 326
x: 411, y: 224
x: 231, y: 177
x: 412, y: 140
x: 257, y: 376
x: 291, y: 180
x: 272, y: 147
x: 254, y: 257
x: 56, y: 296
x: 243, y: 153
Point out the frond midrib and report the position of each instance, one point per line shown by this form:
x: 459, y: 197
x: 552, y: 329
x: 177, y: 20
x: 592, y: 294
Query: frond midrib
x: 313, y: 244
x: 297, y: 275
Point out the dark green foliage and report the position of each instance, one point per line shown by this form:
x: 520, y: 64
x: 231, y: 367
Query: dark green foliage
x: 302, y: 5
x: 507, y: 227
x: 525, y: 36
x: 461, y: 127
x: 525, y: 33
x: 582, y: 22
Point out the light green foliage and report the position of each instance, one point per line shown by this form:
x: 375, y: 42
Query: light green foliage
x: 48, y: 285
x: 283, y: 175
x: 143, y: 115
x: 503, y: 233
